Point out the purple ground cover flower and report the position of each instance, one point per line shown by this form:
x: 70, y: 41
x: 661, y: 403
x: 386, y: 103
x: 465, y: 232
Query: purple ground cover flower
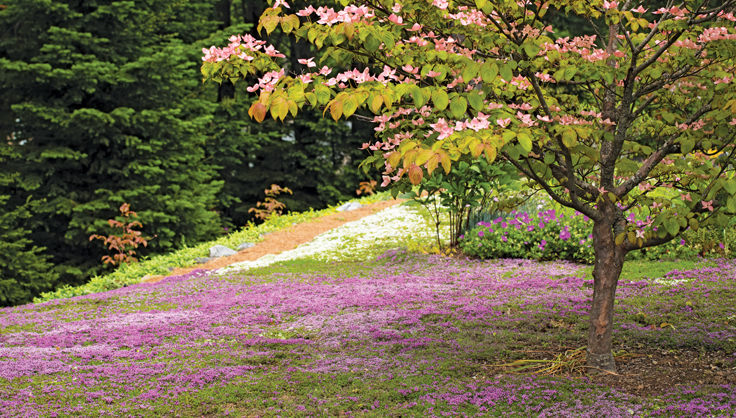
x: 402, y: 325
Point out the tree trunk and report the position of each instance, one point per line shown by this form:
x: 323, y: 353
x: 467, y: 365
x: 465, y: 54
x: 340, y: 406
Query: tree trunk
x: 609, y: 261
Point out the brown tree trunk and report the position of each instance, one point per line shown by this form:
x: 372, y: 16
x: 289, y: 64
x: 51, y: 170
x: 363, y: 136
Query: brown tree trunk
x: 609, y: 261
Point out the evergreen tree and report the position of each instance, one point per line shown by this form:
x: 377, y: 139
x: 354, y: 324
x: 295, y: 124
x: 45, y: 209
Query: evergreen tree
x: 24, y: 271
x: 96, y: 98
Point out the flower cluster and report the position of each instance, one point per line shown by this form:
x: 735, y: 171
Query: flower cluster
x: 545, y: 235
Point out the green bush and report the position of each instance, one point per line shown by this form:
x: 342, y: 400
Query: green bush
x: 563, y: 234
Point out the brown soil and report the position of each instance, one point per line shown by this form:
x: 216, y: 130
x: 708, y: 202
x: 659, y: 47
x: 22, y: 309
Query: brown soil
x: 288, y: 239
x: 646, y: 372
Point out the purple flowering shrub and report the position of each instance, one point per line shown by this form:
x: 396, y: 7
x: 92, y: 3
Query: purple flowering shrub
x: 406, y: 335
x: 545, y: 235
x: 566, y: 235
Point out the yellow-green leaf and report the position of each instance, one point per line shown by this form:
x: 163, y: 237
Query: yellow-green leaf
x: 458, y: 106
x: 440, y: 100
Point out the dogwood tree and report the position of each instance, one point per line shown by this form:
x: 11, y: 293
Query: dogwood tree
x: 636, y: 118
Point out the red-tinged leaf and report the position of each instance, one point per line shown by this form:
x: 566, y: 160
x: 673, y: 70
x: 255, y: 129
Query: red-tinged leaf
x: 432, y: 162
x: 257, y: 111
x: 336, y: 110
x: 415, y: 174
x: 477, y: 149
x: 349, y: 30
x: 490, y: 152
x: 286, y: 25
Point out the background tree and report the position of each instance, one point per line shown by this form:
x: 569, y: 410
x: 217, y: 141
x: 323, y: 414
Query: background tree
x: 660, y: 81
x: 25, y: 271
x: 315, y: 157
x: 96, y: 102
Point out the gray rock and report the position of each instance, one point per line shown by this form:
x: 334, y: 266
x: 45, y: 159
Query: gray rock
x: 245, y: 245
x: 202, y: 260
x: 349, y: 206
x: 171, y: 268
x: 221, y: 251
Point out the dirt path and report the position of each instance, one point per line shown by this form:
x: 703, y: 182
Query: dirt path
x: 288, y: 239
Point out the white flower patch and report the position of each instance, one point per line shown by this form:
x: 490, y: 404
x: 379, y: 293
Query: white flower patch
x: 353, y: 240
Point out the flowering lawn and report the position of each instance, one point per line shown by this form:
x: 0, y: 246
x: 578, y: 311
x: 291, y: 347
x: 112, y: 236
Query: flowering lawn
x: 401, y: 335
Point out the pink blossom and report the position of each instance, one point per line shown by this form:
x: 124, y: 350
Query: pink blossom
x: 433, y: 73
x: 442, y: 4
x: 639, y: 9
x: 396, y: 19
x: 306, y: 12
x: 272, y: 52
x: 415, y: 27
x: 443, y: 128
x: 386, y: 181
x: 609, y: 5
x: 708, y: 205
x: 308, y: 62
x: 733, y: 122
x: 687, y: 197
x: 280, y: 2
x: 503, y: 122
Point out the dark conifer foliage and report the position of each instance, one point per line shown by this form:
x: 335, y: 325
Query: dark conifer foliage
x: 95, y: 98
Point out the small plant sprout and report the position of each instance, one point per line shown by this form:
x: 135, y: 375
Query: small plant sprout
x: 270, y: 207
x: 126, y: 243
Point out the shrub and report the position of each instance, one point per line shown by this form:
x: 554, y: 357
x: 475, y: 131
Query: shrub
x: 270, y: 207
x: 546, y: 235
x: 126, y: 243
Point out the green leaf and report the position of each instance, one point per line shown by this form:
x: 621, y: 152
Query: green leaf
x: 730, y: 186
x: 672, y: 226
x: 323, y: 93
x: 440, y: 100
x: 569, y: 138
x: 620, y: 238
x: 731, y: 204
x: 349, y: 106
x: 470, y: 72
x: 525, y: 141
x: 371, y: 43
x: 570, y: 72
x: 506, y: 72
x: 549, y: 158
x: 476, y: 100
x: 416, y: 94
x: 687, y: 145
x: 488, y: 72
x: 458, y: 106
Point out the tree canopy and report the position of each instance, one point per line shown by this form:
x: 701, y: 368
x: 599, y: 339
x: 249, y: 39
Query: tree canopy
x: 635, y: 118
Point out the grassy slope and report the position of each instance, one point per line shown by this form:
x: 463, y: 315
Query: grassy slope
x: 159, y: 264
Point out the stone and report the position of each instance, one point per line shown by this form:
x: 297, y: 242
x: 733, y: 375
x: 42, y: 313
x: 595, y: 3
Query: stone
x: 245, y: 245
x: 349, y: 206
x: 202, y: 260
x: 221, y: 251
